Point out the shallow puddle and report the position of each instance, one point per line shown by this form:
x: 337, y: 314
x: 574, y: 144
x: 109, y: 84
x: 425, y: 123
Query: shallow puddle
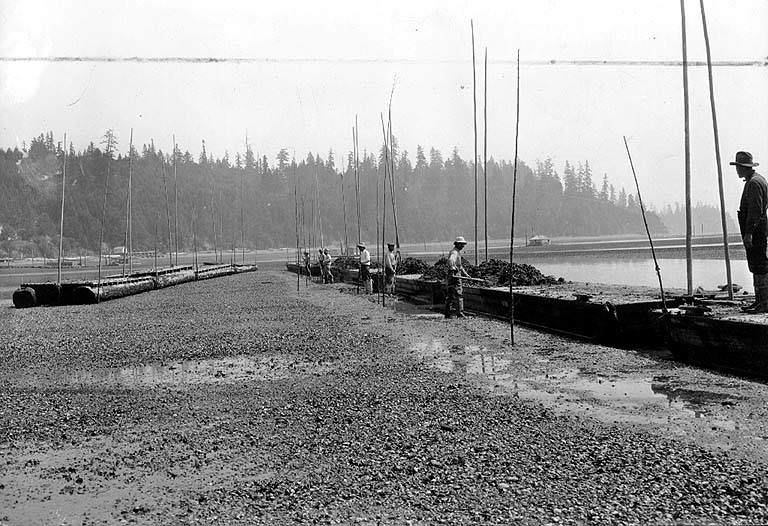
x: 628, y: 399
x: 188, y: 372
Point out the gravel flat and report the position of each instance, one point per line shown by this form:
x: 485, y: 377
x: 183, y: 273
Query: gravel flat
x: 237, y: 400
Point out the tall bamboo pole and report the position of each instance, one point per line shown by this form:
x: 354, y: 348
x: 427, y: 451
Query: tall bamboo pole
x: 485, y: 153
x: 296, y: 219
x: 221, y: 227
x: 474, y: 125
x: 176, y: 199
x: 156, y: 244
x: 381, y: 248
x: 194, y: 234
x: 355, y: 138
x: 392, y: 185
x: 61, y: 218
x: 647, y: 230
x: 242, y: 197
x: 130, y: 204
x: 717, y: 154
x: 167, y: 214
x: 514, y: 195
x: 344, y: 213
x: 688, y: 225
x: 104, y: 214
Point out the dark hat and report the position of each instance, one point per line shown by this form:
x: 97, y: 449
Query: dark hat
x: 390, y: 244
x: 744, y: 159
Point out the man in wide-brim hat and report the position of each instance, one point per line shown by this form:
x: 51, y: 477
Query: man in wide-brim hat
x: 754, y: 227
x: 455, y: 296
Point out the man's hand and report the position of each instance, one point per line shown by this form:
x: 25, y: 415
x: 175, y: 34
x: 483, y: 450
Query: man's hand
x: 748, y: 241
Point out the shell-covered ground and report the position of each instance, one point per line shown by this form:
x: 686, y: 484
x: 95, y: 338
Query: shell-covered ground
x: 241, y: 400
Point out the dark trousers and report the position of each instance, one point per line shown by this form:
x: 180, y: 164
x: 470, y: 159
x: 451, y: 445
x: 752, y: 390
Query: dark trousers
x: 757, y: 259
x: 454, y: 296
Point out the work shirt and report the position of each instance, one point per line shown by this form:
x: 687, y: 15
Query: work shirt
x: 327, y: 259
x: 306, y: 260
x: 365, y: 257
x: 390, y: 262
x: 754, y: 201
x: 454, y: 262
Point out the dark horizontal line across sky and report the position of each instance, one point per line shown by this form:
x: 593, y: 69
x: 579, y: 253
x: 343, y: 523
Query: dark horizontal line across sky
x: 353, y: 61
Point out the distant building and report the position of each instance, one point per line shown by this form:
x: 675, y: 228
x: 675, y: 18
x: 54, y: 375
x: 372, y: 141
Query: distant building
x: 539, y: 241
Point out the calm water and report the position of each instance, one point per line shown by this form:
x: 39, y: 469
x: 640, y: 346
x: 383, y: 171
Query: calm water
x: 707, y: 273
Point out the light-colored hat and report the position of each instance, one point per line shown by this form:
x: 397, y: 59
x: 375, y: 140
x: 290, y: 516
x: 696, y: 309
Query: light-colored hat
x: 390, y: 244
x: 744, y: 159
x: 361, y: 244
x: 460, y: 239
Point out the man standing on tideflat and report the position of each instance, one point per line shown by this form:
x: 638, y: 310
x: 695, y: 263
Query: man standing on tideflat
x: 754, y: 227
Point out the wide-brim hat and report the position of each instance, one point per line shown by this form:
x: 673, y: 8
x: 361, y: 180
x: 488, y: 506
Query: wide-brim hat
x: 361, y: 244
x: 460, y: 240
x: 390, y: 244
x: 744, y: 159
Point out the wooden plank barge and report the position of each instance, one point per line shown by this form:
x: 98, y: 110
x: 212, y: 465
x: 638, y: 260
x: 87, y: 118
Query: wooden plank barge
x: 618, y: 322
x: 724, y: 341
x: 87, y: 292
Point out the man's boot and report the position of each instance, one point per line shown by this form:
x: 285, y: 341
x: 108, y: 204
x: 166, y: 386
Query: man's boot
x: 756, y: 280
x: 762, y: 280
x: 461, y: 309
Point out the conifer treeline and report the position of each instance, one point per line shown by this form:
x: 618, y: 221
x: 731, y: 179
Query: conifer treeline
x: 434, y: 197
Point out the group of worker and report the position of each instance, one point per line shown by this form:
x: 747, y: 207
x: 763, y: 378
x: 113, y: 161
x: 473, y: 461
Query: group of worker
x: 753, y: 224
x: 390, y: 268
x: 325, y: 260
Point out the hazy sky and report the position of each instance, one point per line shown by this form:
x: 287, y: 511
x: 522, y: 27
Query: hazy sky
x: 331, y: 60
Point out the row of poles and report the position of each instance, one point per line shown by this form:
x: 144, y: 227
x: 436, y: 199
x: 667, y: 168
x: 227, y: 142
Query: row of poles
x: 173, y: 248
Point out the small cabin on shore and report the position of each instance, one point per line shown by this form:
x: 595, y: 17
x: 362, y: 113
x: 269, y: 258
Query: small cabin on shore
x: 539, y: 241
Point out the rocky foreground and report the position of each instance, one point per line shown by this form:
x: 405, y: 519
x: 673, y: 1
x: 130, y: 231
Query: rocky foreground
x: 239, y: 400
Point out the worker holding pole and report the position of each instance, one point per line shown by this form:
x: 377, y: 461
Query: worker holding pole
x: 455, y: 294
x: 390, y: 268
x: 365, y: 268
x: 754, y: 227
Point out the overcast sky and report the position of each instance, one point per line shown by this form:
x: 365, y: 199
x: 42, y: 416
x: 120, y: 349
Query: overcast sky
x: 328, y: 61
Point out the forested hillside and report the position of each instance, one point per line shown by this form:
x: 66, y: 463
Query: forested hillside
x: 434, y: 197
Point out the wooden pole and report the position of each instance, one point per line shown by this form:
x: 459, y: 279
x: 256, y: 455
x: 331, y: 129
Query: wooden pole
x: 355, y: 137
x: 474, y: 125
x: 647, y: 230
x: 392, y: 185
x: 242, y: 197
x: 221, y: 227
x: 104, y: 214
x: 176, y: 200
x: 717, y: 155
x: 130, y: 204
x: 688, y: 226
x: 155, y: 244
x: 485, y: 153
x: 167, y: 214
x: 382, y: 246
x: 296, y: 219
x: 344, y: 213
x: 194, y: 234
x: 61, y: 218
x: 512, y: 228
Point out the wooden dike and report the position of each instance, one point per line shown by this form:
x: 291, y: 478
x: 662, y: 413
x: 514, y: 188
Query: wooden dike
x: 112, y: 287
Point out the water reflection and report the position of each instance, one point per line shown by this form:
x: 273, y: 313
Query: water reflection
x: 629, y: 399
